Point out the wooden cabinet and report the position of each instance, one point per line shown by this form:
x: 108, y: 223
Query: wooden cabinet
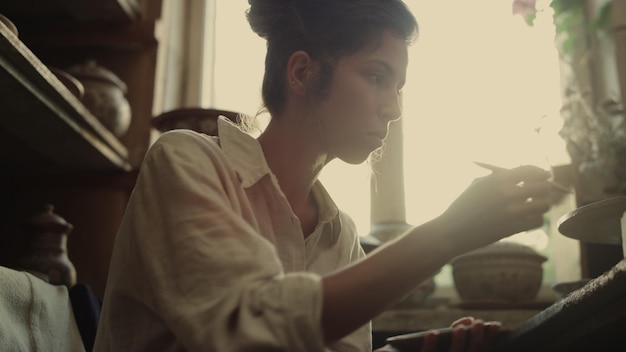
x: 52, y: 149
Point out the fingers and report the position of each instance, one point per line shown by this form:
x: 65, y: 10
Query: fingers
x: 429, y: 343
x: 491, y: 333
x: 526, y: 173
x: 519, y: 183
x: 473, y: 335
x: 523, y: 190
x: 529, y: 206
x: 528, y: 210
x: 527, y: 191
x: 477, y: 336
x: 463, y: 321
x: 458, y: 342
x: 505, y: 202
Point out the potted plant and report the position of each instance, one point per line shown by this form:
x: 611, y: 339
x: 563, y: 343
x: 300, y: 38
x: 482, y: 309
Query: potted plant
x: 593, y: 125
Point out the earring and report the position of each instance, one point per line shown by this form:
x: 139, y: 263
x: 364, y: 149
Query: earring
x: 293, y: 83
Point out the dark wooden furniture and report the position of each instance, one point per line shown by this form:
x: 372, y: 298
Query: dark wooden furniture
x: 52, y: 149
x: 590, y: 319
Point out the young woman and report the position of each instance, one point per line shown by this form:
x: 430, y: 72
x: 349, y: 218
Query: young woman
x: 230, y: 243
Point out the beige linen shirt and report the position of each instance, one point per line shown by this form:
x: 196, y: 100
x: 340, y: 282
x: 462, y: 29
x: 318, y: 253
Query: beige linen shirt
x: 210, y: 256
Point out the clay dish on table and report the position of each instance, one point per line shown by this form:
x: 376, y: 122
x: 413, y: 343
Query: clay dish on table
x: 505, y: 272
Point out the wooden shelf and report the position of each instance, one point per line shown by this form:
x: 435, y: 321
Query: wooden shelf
x: 71, y: 10
x: 52, y: 149
x: 98, y: 10
x: 51, y: 129
x: 131, y: 36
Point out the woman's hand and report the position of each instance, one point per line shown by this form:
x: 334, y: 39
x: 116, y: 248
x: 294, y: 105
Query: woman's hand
x: 495, y: 206
x: 468, y: 335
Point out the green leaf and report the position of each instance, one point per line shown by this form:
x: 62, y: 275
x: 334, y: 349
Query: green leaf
x: 602, y: 22
x: 561, y: 6
x: 530, y: 19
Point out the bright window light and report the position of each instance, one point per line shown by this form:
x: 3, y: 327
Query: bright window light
x: 482, y: 86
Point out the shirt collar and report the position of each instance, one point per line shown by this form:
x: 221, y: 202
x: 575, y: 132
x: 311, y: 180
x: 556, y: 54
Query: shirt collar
x: 329, y: 213
x: 246, y: 155
x: 244, y: 152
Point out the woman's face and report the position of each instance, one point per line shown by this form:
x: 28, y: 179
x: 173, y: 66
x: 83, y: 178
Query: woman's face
x: 363, y: 98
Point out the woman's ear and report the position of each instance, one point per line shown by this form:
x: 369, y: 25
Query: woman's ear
x: 301, y: 72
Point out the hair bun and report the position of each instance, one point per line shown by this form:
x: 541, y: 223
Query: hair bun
x: 266, y: 15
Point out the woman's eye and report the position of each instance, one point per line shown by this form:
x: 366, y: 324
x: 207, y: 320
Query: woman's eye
x: 376, y: 78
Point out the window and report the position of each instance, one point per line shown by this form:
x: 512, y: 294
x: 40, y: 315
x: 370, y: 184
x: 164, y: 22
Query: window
x: 483, y: 86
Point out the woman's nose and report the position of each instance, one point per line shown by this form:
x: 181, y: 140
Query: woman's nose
x: 392, y: 109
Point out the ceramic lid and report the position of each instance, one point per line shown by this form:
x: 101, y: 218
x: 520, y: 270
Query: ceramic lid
x: 91, y: 70
x: 47, y: 220
x: 598, y: 222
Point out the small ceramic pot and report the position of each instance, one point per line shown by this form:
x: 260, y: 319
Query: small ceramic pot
x: 503, y: 272
x: 105, y: 96
x: 10, y: 25
x: 46, y: 253
x: 70, y: 82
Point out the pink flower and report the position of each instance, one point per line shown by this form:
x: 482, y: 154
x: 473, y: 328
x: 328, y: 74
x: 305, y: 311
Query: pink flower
x: 524, y: 7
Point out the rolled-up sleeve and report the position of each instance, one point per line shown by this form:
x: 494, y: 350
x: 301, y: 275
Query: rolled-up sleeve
x: 191, y: 269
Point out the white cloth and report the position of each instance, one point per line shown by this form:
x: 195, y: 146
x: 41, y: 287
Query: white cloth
x: 35, y: 315
x: 210, y: 256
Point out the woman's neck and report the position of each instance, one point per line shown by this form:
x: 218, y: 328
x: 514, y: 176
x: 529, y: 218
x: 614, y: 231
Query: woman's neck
x: 296, y: 159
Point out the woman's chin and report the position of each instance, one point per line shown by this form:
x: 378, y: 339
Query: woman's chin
x: 359, y: 158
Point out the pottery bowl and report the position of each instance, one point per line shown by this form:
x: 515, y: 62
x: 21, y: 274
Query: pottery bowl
x: 503, y: 271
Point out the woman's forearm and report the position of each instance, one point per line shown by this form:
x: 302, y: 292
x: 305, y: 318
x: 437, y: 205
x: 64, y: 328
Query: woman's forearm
x: 356, y: 294
x: 494, y: 207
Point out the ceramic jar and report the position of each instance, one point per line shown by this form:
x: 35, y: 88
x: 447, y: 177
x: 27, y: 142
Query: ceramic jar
x: 105, y: 96
x: 502, y: 272
x: 70, y: 82
x: 46, y: 248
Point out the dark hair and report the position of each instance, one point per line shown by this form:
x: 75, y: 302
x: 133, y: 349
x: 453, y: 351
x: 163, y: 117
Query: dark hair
x: 326, y: 30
